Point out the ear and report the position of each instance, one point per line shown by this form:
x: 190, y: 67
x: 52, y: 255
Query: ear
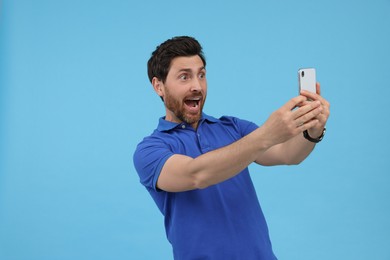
x: 157, y: 85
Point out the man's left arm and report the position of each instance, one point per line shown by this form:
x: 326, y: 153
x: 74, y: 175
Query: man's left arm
x: 296, y: 149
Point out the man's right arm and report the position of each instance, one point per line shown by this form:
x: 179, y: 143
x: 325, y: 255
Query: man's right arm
x: 181, y: 173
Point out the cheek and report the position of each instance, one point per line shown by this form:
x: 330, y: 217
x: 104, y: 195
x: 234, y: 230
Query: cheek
x: 171, y: 94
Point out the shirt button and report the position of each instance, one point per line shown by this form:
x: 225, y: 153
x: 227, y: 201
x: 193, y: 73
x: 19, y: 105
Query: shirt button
x: 183, y: 126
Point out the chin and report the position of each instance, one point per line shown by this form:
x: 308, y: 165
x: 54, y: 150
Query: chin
x: 190, y: 119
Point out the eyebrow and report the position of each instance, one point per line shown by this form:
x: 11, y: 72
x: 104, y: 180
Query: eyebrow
x: 190, y: 70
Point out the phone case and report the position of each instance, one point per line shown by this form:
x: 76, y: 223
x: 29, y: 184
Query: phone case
x: 307, y: 79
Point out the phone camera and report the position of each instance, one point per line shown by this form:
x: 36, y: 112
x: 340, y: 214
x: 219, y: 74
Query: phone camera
x: 303, y: 73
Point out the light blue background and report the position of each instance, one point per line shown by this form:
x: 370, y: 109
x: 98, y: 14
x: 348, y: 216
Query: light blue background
x: 75, y: 100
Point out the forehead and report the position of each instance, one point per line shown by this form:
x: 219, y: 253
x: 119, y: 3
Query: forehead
x: 191, y: 62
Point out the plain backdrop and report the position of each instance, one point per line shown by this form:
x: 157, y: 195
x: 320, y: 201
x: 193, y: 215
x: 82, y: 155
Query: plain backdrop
x: 75, y: 100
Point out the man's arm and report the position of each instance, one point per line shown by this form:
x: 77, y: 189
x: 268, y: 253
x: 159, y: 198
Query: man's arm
x: 296, y: 149
x: 181, y: 172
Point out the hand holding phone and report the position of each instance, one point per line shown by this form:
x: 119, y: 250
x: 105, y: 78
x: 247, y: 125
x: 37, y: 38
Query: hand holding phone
x: 307, y: 80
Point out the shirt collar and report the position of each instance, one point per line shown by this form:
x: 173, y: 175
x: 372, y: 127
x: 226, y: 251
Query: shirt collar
x: 164, y: 125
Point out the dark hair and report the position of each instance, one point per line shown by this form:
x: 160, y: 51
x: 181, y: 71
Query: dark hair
x: 160, y: 61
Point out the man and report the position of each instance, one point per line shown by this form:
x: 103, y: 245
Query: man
x: 195, y: 166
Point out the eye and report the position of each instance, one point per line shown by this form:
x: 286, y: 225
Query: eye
x: 202, y: 75
x: 183, y: 77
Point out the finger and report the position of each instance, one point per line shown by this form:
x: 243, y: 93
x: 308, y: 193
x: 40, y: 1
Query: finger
x: 310, y: 106
x: 318, y: 88
x: 311, y: 115
x: 323, y: 117
x: 304, y: 103
x: 299, y: 122
x: 307, y: 125
x: 294, y: 102
x: 310, y: 95
x: 313, y: 96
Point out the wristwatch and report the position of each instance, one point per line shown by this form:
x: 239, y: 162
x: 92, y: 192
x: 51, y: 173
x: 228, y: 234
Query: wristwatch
x: 314, y: 140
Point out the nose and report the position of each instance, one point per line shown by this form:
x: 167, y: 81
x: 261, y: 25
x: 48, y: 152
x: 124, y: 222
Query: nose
x: 196, y: 85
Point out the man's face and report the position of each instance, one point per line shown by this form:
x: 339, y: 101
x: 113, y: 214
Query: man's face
x: 185, y: 89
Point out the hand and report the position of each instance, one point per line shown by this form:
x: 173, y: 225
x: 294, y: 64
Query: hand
x: 322, y: 118
x: 296, y: 116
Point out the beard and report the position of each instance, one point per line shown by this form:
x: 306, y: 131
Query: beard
x: 179, y: 110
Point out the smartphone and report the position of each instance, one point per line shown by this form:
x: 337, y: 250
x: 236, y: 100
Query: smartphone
x: 307, y: 79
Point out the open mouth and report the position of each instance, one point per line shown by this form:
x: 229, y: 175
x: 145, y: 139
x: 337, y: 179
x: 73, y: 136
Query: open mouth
x: 192, y: 102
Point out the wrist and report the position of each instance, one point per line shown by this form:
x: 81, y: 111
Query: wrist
x: 315, y: 133
x: 315, y: 138
x: 261, y: 139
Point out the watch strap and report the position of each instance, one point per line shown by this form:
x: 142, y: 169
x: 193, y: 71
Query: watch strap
x: 314, y: 140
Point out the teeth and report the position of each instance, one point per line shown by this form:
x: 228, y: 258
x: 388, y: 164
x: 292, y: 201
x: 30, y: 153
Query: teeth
x: 194, y: 101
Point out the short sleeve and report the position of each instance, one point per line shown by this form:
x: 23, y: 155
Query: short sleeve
x: 149, y: 158
x: 246, y: 127
x: 243, y: 127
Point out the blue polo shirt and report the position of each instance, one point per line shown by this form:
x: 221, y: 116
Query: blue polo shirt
x: 223, y: 221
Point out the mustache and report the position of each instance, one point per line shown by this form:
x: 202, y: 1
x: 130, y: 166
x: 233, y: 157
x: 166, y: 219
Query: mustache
x: 199, y: 96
